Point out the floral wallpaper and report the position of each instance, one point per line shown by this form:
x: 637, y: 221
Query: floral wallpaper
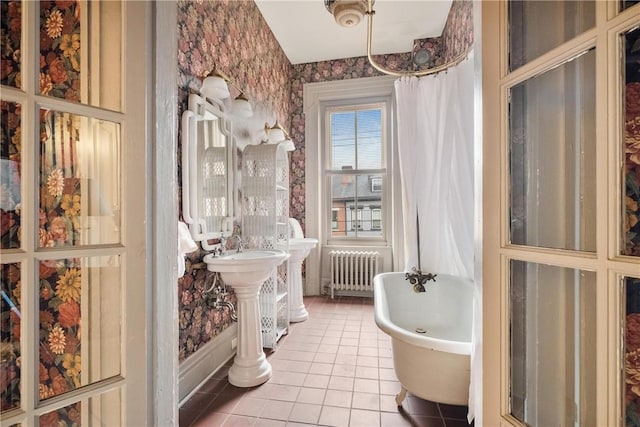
x: 632, y: 353
x: 233, y: 36
x: 60, y: 204
x: 631, y: 223
x: 60, y: 358
x: 60, y: 49
x: 10, y: 25
x: 457, y: 34
x: 632, y: 145
x: 10, y: 350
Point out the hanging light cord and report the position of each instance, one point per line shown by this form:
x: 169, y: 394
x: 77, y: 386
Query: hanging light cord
x: 455, y: 61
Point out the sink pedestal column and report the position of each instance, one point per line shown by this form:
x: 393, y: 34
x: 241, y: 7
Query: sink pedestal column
x: 298, y: 249
x: 297, y: 310
x: 250, y: 366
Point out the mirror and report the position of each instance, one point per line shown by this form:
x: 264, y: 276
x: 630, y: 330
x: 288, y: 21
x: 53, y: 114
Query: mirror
x: 207, y: 171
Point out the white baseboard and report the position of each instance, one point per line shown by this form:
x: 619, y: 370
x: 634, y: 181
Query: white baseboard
x: 200, y: 366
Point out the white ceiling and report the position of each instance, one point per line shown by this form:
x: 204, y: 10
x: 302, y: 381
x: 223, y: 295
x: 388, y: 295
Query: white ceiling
x: 307, y: 32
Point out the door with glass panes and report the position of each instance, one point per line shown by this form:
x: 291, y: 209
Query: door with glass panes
x: 561, y: 273
x: 72, y: 273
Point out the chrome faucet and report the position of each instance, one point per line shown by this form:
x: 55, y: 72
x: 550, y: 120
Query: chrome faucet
x: 418, y: 280
x: 240, y: 246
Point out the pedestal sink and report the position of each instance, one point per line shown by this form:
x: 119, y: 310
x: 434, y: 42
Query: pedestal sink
x: 299, y: 248
x: 245, y: 272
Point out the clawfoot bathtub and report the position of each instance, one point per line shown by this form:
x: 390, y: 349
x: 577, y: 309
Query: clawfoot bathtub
x: 431, y: 335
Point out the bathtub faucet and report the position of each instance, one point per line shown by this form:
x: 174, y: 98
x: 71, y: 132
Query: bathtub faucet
x: 417, y: 279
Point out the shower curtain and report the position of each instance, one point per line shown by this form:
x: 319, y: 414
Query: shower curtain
x: 435, y: 150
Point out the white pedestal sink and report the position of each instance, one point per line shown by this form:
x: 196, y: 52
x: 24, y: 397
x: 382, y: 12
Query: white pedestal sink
x: 245, y: 272
x: 299, y: 248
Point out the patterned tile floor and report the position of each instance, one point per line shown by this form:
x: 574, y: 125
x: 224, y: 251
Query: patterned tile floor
x: 335, y: 369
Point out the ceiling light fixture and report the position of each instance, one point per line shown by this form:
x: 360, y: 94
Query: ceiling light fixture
x: 349, y: 13
x: 216, y: 86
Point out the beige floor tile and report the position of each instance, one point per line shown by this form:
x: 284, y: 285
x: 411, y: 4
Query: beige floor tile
x: 239, y: 421
x: 316, y: 381
x: 311, y: 395
x: 250, y: 406
x: 324, y: 357
x: 305, y: 413
x: 339, y: 398
x: 277, y: 410
x: 346, y: 359
x: 334, y: 417
x: 365, y: 385
x: 387, y: 374
x: 344, y: 349
x: 341, y: 383
x: 344, y: 370
x: 363, y: 418
x: 367, y: 372
x: 367, y: 361
x: 321, y: 368
x: 370, y: 401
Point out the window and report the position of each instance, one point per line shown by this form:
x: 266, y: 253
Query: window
x: 356, y: 168
x: 376, y: 184
x: 376, y: 218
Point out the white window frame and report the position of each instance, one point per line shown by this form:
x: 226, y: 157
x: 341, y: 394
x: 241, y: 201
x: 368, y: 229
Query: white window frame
x: 314, y: 96
x: 383, y: 173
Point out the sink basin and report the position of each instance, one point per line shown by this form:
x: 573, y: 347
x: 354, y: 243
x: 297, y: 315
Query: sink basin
x: 245, y: 272
x: 302, y: 244
x: 248, y: 267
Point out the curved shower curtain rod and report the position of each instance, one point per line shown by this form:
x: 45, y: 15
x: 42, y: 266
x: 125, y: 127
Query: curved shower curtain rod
x: 455, y: 61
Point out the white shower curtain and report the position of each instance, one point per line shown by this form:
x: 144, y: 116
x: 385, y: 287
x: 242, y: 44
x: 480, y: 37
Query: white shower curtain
x: 435, y: 148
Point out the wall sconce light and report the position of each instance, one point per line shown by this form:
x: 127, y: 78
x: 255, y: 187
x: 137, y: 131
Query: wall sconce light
x: 216, y: 86
x: 276, y: 134
x: 241, y: 106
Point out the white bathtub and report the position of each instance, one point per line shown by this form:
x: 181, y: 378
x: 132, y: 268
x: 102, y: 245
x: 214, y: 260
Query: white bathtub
x: 434, y: 365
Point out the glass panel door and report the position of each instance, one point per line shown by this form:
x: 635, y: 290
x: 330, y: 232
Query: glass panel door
x: 72, y: 344
x: 560, y: 213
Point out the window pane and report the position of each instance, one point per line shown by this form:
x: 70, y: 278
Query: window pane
x: 561, y: 21
x: 369, y: 139
x: 62, y: 52
x: 357, y: 209
x: 343, y: 140
x: 10, y: 167
x: 553, y: 334
x: 343, y: 194
x: 552, y: 158
x: 631, y: 190
x: 79, y: 180
x: 631, y: 374
x: 11, y: 45
x: 10, y: 336
x: 101, y: 410
x: 80, y: 315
